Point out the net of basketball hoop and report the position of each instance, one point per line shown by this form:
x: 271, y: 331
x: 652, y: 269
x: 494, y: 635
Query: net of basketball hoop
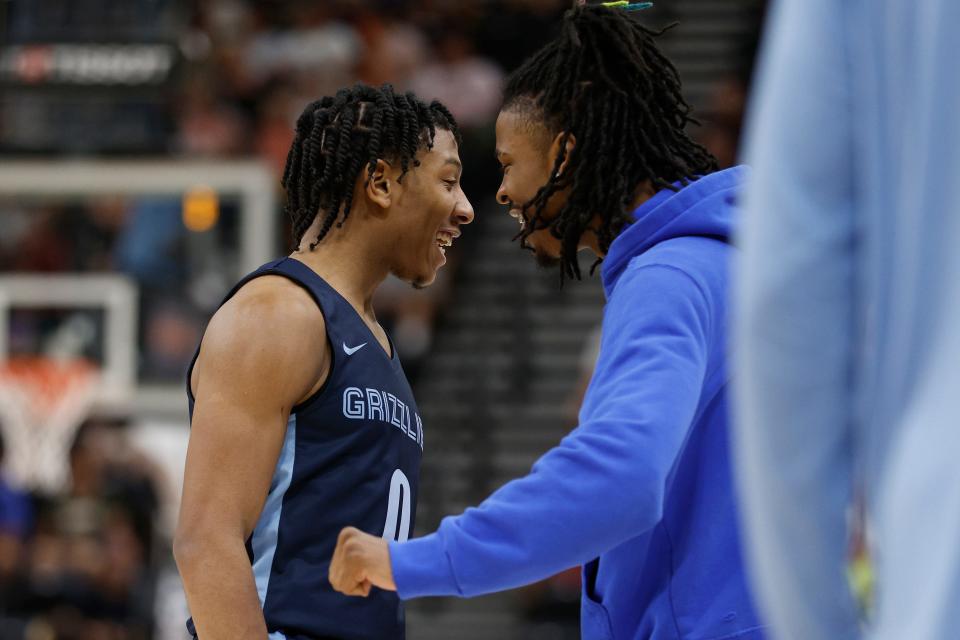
x: 43, y: 401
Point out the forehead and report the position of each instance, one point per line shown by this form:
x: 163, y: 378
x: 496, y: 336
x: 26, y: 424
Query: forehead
x: 519, y: 128
x: 444, y: 149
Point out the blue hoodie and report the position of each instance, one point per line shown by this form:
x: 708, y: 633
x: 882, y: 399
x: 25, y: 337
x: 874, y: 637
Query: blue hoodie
x: 640, y: 492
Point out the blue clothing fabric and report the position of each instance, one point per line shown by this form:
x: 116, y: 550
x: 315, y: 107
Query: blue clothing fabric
x: 16, y: 511
x: 350, y: 457
x: 641, y: 492
x: 848, y: 308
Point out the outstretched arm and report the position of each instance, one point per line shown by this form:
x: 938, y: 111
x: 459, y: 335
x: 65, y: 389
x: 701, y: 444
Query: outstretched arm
x: 603, y: 484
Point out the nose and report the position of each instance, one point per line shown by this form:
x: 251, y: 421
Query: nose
x: 464, y: 210
x: 502, y: 197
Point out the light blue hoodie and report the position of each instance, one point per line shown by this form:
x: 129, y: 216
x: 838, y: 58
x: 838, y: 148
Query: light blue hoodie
x: 641, y: 492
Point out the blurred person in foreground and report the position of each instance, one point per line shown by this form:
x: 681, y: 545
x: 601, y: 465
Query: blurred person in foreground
x: 848, y: 317
x: 302, y: 420
x: 594, y: 153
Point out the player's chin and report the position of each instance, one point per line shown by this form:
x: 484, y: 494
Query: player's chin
x: 545, y: 258
x: 546, y: 261
x: 423, y: 272
x: 423, y: 281
x: 427, y: 275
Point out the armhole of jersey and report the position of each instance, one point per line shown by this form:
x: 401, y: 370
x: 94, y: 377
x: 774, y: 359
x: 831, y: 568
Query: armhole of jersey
x: 297, y: 408
x: 319, y: 392
x: 333, y: 354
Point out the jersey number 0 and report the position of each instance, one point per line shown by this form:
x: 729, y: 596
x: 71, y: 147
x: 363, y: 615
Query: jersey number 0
x: 397, y: 525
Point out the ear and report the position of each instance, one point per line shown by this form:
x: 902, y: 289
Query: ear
x: 569, y: 145
x: 380, y: 187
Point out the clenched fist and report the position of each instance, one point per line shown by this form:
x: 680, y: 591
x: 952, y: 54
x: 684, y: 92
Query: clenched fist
x: 360, y: 561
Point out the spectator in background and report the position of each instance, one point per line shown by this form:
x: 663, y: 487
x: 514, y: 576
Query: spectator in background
x: 458, y: 77
x: 104, y: 530
x: 276, y: 113
x: 90, y: 231
x: 393, y: 50
x: 84, y: 570
x: 315, y: 48
x: 39, y: 245
x: 848, y: 316
x: 105, y: 466
x: 149, y: 247
x: 170, y: 335
x: 207, y: 124
x: 60, y: 238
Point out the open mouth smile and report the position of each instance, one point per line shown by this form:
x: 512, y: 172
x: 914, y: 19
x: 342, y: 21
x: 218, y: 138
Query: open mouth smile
x: 445, y: 239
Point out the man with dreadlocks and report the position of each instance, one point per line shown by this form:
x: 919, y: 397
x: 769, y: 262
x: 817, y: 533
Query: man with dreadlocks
x: 302, y: 420
x: 591, y: 140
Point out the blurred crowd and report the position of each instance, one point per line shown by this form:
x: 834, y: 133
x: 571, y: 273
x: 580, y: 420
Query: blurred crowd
x: 248, y: 70
x: 252, y: 66
x: 81, y: 564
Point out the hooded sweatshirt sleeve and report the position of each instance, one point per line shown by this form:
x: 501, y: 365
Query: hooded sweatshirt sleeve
x: 604, y: 483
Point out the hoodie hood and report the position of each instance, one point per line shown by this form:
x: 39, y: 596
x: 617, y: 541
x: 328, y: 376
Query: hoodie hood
x: 703, y: 208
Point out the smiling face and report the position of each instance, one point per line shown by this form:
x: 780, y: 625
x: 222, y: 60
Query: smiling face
x: 427, y: 213
x: 527, y: 151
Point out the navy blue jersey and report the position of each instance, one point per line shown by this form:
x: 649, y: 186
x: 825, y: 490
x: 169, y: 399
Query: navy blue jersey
x: 351, y: 457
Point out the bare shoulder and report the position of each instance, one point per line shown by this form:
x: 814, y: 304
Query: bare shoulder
x: 270, y: 334
x: 274, y: 298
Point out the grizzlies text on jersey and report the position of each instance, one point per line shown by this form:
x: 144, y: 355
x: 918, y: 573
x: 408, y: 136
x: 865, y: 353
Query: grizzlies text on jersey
x: 350, y: 457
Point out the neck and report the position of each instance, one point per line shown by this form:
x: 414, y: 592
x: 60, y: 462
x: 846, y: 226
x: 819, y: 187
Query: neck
x: 348, y: 259
x: 590, y: 241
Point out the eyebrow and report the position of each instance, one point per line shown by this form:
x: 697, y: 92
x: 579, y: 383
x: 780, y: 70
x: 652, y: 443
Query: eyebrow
x: 454, y: 162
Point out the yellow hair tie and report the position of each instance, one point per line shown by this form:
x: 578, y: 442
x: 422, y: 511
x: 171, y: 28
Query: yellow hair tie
x: 626, y: 5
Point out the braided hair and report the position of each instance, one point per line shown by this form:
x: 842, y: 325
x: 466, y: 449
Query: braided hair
x: 337, y: 137
x: 604, y: 81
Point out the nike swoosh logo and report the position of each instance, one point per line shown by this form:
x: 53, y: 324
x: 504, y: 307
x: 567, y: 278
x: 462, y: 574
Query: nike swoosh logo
x: 352, y: 350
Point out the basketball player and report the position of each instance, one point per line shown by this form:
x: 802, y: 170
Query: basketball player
x: 302, y: 418
x: 591, y: 140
